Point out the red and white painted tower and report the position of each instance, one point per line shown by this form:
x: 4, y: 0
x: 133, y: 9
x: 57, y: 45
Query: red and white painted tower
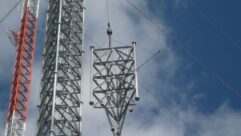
x: 20, y: 86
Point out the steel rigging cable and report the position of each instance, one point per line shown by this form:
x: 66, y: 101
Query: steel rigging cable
x: 10, y: 11
x: 211, y: 22
x: 188, y: 52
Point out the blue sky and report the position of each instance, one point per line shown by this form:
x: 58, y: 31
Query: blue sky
x: 179, y: 82
x: 211, y: 47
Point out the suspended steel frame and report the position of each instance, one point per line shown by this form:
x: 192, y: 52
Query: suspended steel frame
x: 114, y: 84
x: 20, y: 88
x: 61, y: 93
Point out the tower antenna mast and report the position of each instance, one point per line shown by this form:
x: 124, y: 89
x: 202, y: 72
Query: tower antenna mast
x: 60, y: 108
x: 25, y: 41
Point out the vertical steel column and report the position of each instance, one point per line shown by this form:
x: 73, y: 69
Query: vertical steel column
x: 137, y: 98
x: 56, y: 69
x: 61, y: 92
x: 20, y: 89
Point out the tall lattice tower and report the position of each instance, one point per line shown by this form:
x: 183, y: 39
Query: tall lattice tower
x: 25, y: 41
x: 60, y: 97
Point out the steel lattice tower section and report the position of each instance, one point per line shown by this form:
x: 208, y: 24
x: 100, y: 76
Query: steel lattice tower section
x: 114, y: 83
x: 20, y: 88
x: 60, y: 97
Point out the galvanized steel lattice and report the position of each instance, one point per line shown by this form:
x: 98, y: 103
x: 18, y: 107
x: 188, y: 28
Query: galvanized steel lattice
x: 114, y: 83
x: 60, y: 97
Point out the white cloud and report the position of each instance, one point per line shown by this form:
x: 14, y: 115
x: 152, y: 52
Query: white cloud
x: 224, y: 122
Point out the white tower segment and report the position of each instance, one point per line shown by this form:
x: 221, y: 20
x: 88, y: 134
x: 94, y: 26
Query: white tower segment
x: 114, y: 83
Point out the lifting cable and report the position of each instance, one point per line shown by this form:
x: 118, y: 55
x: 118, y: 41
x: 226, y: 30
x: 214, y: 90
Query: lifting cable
x: 107, y: 11
x: 109, y: 30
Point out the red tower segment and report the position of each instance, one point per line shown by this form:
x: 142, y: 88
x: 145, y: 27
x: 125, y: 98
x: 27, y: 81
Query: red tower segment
x: 20, y: 87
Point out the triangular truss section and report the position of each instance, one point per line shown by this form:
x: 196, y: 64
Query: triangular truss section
x: 114, y: 83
